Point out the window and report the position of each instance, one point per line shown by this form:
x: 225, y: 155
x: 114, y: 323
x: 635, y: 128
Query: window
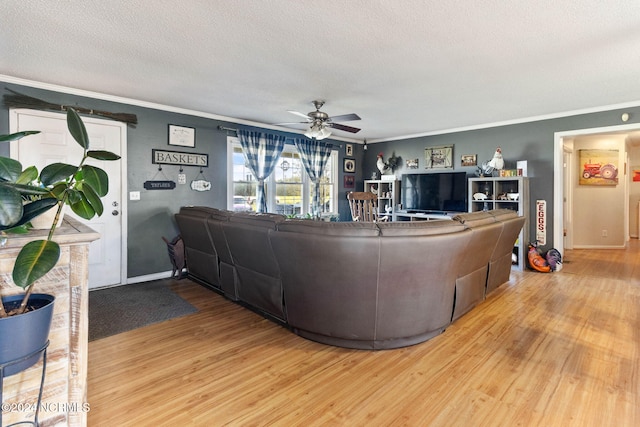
x: 289, y: 189
x: 289, y: 177
x: 242, y: 194
x: 328, y: 187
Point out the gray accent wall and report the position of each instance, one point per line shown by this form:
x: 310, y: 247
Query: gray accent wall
x: 151, y: 217
x: 531, y: 141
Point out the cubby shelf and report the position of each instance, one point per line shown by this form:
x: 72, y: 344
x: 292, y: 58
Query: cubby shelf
x: 488, y: 193
x: 388, y: 192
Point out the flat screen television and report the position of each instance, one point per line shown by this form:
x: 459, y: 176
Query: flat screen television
x: 434, y: 192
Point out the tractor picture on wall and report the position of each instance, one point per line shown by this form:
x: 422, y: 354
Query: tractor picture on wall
x: 598, y: 170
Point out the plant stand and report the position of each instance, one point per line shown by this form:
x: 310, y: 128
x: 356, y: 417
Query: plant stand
x: 44, y: 370
x: 69, y: 333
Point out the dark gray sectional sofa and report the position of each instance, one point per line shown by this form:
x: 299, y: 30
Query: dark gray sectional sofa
x: 352, y: 284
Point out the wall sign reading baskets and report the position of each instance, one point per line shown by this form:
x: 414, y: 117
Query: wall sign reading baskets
x: 163, y: 157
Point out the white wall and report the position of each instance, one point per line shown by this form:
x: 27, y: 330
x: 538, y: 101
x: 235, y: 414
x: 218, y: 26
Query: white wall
x: 599, y: 209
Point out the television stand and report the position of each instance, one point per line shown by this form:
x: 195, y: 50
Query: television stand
x: 422, y: 216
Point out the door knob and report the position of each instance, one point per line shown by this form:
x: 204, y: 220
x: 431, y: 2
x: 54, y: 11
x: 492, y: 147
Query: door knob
x: 115, y: 212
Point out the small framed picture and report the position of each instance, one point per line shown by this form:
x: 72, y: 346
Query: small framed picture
x: 182, y: 136
x: 348, y: 150
x: 412, y: 164
x: 469, y: 160
x: 349, y: 165
x: 349, y: 181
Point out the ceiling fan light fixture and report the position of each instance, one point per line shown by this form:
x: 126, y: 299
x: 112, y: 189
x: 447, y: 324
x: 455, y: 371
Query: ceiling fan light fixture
x: 311, y: 133
x: 319, y: 122
x: 318, y: 132
x: 324, y: 133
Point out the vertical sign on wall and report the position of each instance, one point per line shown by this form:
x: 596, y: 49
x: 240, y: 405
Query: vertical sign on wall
x: 541, y: 222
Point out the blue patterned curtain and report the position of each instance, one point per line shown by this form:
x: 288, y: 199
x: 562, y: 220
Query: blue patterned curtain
x: 314, y: 155
x: 261, y: 151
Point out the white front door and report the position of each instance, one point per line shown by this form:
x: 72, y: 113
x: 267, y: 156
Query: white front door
x: 54, y: 144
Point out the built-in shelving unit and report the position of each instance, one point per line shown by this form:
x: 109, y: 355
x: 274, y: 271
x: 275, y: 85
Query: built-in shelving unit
x: 388, y: 192
x: 504, y: 193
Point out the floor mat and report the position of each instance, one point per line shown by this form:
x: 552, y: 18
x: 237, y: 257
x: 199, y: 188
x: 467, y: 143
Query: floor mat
x: 124, y: 308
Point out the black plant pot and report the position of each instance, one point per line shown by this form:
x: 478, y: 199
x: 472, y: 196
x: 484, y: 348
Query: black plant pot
x: 26, y: 333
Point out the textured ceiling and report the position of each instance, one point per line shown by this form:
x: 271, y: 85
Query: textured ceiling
x: 407, y: 67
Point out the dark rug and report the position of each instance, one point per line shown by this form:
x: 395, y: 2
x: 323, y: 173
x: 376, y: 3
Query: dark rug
x: 124, y: 308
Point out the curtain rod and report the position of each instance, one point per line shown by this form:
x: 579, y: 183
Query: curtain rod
x: 236, y: 131
x: 228, y: 129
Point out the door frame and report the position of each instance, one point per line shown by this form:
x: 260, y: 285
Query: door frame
x: 13, y: 124
x: 559, y: 177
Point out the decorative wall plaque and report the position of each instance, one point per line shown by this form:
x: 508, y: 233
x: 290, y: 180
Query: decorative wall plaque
x: 159, y: 185
x: 163, y: 157
x: 200, y: 185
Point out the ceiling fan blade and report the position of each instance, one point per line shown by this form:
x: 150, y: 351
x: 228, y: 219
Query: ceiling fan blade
x: 344, y: 127
x: 299, y: 114
x: 345, y: 118
x: 290, y: 123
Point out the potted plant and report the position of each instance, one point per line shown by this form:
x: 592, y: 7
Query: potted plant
x: 24, y: 195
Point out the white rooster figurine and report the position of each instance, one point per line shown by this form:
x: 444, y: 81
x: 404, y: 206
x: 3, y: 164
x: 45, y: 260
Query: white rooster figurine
x: 496, y: 163
x: 382, y: 166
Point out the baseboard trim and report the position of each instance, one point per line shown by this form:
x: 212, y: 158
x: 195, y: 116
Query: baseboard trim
x: 138, y: 279
x: 149, y: 277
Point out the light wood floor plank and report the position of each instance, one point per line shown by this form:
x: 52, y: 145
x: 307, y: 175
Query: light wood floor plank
x: 560, y: 349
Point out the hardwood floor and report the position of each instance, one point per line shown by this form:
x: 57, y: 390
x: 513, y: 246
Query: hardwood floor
x: 559, y: 349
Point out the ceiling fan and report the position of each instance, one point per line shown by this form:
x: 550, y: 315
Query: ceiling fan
x: 320, y: 121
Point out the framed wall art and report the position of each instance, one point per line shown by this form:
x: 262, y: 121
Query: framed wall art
x: 348, y: 150
x: 182, y: 136
x: 349, y: 165
x: 469, y: 160
x: 438, y: 157
x: 598, y: 167
x: 412, y: 164
x: 349, y: 181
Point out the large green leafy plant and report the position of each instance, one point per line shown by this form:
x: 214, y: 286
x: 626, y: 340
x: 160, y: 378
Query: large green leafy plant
x: 25, y: 194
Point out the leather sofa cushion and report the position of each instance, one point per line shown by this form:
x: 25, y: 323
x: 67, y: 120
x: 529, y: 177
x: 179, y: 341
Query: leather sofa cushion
x: 199, y: 211
x: 475, y: 219
x: 201, y: 253
x: 206, y: 212
x: 362, y: 229
x: 221, y: 215
x: 268, y: 220
x: 503, y: 214
x: 419, y: 228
